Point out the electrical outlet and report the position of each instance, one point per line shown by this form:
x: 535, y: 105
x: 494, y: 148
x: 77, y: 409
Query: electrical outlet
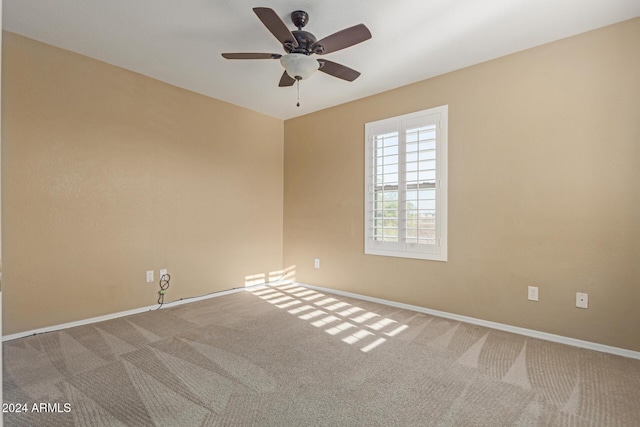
x: 149, y: 276
x: 582, y: 300
x: 532, y: 293
x: 163, y: 272
x: 316, y: 263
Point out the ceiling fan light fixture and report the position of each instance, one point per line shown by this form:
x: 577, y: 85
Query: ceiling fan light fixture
x: 299, y: 66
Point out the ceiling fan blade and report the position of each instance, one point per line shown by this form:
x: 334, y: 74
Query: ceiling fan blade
x: 251, y: 55
x: 343, y: 39
x: 272, y: 21
x: 286, y: 80
x: 338, y: 70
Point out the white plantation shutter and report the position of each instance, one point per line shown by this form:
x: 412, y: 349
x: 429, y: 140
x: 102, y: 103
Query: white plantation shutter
x: 405, y: 185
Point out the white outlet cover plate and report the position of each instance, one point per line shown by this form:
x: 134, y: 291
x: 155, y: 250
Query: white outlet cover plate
x: 149, y: 275
x: 582, y: 300
x: 163, y: 272
x: 532, y: 293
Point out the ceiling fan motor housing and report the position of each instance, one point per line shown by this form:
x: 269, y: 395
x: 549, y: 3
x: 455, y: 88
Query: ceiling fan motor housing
x: 305, y: 40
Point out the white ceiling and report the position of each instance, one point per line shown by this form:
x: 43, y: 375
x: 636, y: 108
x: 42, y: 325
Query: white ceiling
x: 180, y: 42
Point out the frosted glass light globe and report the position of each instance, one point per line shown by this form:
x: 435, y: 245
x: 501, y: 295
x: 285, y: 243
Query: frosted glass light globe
x: 299, y: 66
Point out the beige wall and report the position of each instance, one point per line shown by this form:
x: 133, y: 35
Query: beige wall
x: 107, y: 173
x: 544, y: 190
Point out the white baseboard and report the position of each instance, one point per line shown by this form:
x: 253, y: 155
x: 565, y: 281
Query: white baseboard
x: 472, y: 320
x: 120, y: 314
x: 493, y: 325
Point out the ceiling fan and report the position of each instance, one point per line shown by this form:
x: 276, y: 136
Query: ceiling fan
x: 299, y: 45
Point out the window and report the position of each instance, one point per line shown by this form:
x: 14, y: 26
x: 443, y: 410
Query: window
x: 406, y: 186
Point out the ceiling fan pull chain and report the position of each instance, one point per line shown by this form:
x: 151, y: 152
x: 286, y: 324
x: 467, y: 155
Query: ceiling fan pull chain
x: 298, y: 85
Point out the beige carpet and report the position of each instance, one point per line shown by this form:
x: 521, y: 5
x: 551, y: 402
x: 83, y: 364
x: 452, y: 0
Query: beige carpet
x: 289, y: 356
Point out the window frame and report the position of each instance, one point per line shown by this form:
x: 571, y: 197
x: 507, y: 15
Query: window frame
x: 437, y: 116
